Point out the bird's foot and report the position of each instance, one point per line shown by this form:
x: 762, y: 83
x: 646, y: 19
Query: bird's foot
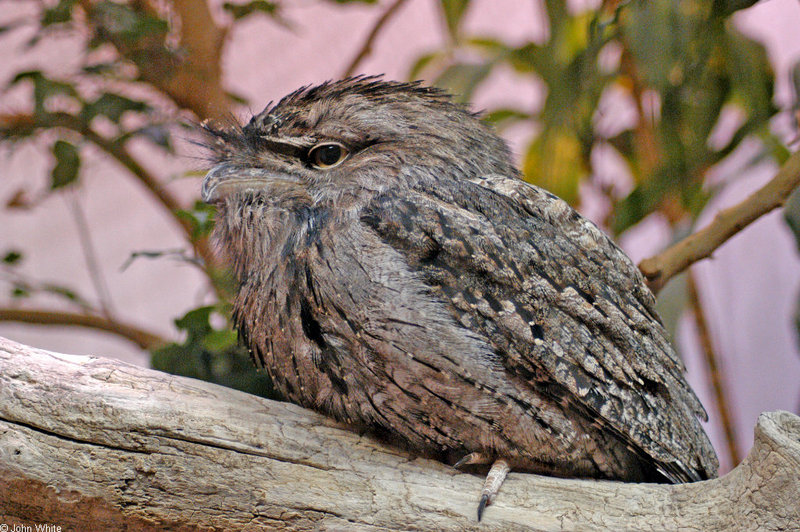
x: 497, y: 474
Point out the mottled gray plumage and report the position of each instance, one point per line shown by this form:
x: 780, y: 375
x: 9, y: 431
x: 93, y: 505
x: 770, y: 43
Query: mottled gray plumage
x: 421, y: 288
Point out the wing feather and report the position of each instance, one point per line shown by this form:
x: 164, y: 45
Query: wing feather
x: 555, y: 296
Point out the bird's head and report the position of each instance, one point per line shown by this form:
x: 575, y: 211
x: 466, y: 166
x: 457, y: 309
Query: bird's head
x: 345, y: 141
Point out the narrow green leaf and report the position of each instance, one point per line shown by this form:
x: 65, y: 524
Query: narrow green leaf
x: 453, y: 11
x: 12, y: 257
x: 19, y: 292
x: 461, y: 79
x: 240, y: 11
x: 421, y: 63
x: 504, y: 117
x: 796, y: 83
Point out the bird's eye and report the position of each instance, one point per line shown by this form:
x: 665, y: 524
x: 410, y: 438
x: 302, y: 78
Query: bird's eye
x: 327, y: 155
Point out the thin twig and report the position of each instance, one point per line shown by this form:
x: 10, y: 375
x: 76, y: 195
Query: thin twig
x: 366, y: 47
x: 90, y: 257
x: 714, y: 373
x: 670, y: 262
x: 144, y: 339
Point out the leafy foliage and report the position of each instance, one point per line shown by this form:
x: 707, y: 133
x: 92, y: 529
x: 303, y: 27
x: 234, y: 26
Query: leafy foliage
x: 211, y: 354
x: 682, y: 65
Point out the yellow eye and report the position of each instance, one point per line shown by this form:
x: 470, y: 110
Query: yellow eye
x: 327, y: 155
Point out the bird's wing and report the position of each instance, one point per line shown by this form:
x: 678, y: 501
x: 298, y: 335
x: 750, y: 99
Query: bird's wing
x: 555, y: 296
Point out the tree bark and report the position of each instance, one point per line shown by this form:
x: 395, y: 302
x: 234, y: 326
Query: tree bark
x: 90, y: 443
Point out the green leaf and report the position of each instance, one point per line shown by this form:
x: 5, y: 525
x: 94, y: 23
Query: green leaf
x: 12, y: 257
x: 554, y: 162
x: 60, y: 13
x: 212, y: 355
x: 127, y: 25
x: 196, y: 321
x: 533, y: 58
x: 240, y: 11
x: 461, y: 79
x: 220, y: 340
x: 421, y: 63
x: 791, y: 213
x: 237, y: 98
x: 748, y: 68
x: 645, y: 198
x: 112, y: 106
x: 44, y: 88
x: 20, y: 291
x: 66, y: 293
x: 453, y: 11
x: 67, y: 164
x: 201, y: 218
x: 503, y: 117
x: 724, y: 8
x: 796, y: 83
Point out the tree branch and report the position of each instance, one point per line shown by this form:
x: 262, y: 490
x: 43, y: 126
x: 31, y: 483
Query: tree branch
x: 142, y: 338
x: 715, y: 377
x: 94, y: 444
x: 191, y: 76
x: 196, y: 83
x: 672, y: 261
x: 366, y: 47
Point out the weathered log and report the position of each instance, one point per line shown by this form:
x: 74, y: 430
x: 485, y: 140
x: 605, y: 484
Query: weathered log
x: 90, y: 443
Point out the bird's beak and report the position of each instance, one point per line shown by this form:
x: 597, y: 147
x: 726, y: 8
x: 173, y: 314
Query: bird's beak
x: 226, y: 179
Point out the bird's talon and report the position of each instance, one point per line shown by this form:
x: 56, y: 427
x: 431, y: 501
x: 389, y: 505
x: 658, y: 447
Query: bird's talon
x: 482, y: 505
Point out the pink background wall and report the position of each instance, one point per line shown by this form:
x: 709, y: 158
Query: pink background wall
x: 749, y: 288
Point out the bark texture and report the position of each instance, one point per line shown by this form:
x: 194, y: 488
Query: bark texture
x: 90, y: 443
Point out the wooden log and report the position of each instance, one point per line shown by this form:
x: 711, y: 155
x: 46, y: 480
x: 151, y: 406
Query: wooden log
x: 89, y: 443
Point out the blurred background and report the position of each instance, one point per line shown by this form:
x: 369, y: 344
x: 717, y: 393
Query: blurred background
x: 649, y: 117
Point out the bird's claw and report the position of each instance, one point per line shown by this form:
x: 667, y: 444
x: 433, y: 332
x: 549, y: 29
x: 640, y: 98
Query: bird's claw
x: 497, y: 474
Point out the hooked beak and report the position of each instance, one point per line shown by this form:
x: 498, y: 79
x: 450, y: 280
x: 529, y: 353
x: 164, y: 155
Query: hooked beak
x: 226, y: 179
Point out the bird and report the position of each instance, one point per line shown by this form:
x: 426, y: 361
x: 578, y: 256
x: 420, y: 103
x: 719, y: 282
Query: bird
x: 396, y: 273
